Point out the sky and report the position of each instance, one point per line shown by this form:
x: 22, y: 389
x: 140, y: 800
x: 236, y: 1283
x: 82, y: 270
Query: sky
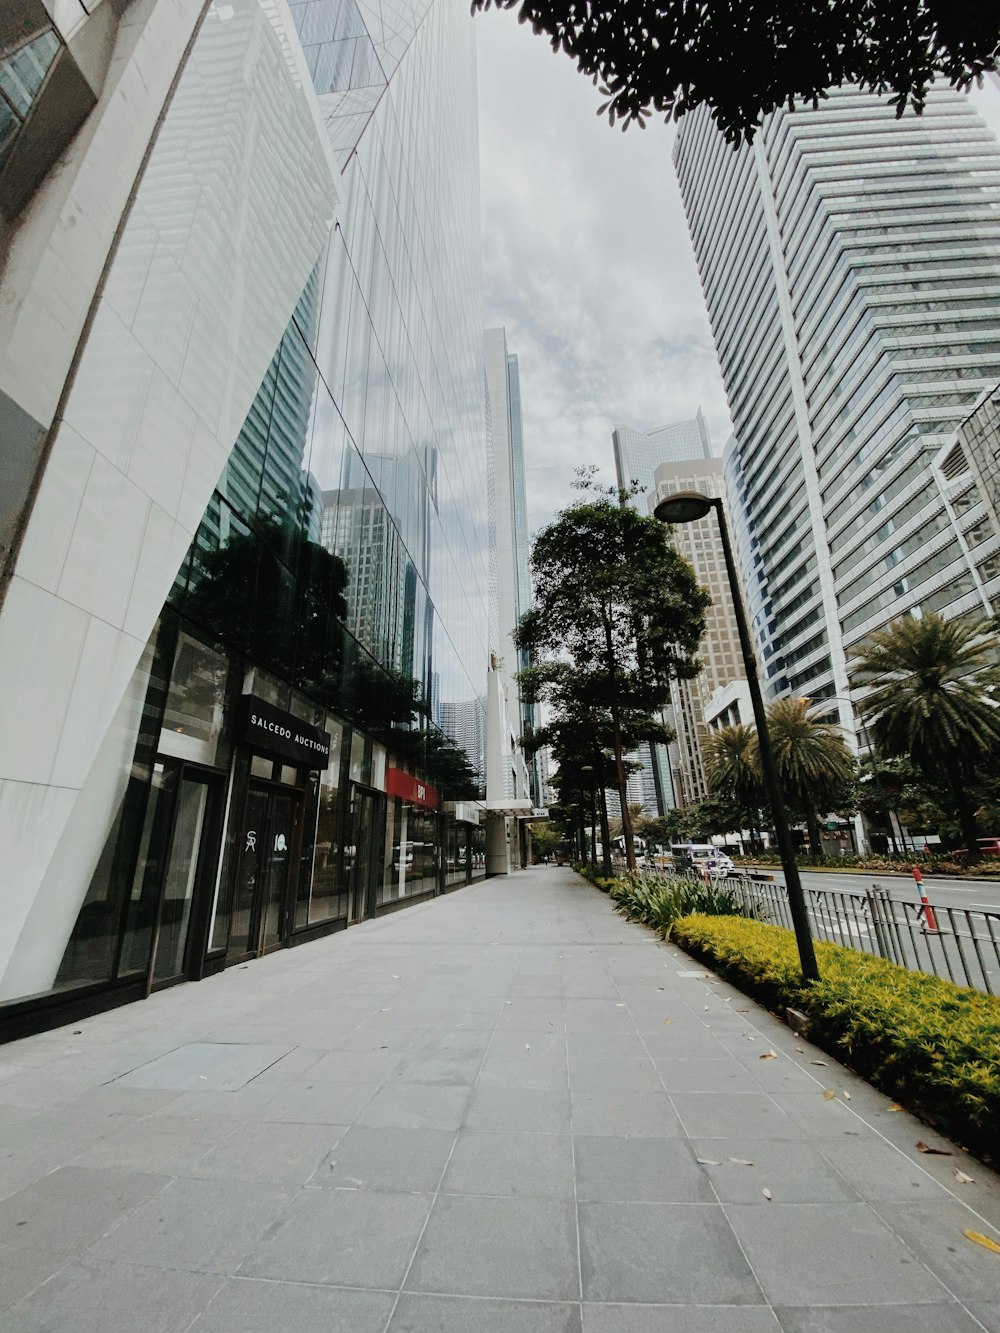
x: 588, y: 264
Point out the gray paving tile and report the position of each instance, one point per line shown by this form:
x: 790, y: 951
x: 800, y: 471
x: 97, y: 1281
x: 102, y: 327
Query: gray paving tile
x: 320, y: 1103
x: 933, y: 1230
x: 615, y: 1111
x: 527, y: 1073
x: 415, y: 1106
x: 349, y: 1238
x: 457, y: 1314
x: 202, y: 1226
x: 988, y: 1314
x: 93, y: 1297
x: 628, y: 1074
x: 387, y: 1158
x: 678, y: 1319
x: 67, y: 1210
x: 604, y: 1046
x: 173, y: 1149
x: 532, y: 1165
x: 366, y: 1067
x: 21, y: 1271
x: 283, y: 1153
x: 598, y: 1016
x: 711, y: 1075
x: 931, y: 1318
x: 830, y: 1254
x: 724, y: 1115
x: 209, y: 1066
x: 878, y: 1171
x: 819, y: 1118
x: 794, y: 1172
x: 538, y: 1110
x: 498, y: 1247
x: 654, y: 1170
x: 436, y: 1073
x: 247, y: 1304
x: 662, y: 1253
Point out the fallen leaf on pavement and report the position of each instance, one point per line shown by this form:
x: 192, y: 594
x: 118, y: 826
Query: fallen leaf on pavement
x: 766, y: 1193
x: 666, y: 1020
x: 708, y: 1161
x: 619, y: 1004
x: 847, y: 1096
x: 741, y: 1161
x: 829, y: 1094
x: 768, y: 1055
x: 935, y: 1152
x: 894, y: 1107
x: 982, y: 1240
x: 527, y: 1047
x: 962, y: 1178
x: 817, y: 1062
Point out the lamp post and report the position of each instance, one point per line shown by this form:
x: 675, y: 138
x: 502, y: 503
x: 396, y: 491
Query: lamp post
x: 688, y: 507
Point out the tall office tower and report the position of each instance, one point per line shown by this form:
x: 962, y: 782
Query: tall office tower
x: 851, y: 266
x: 245, y: 531
x: 720, y: 653
x: 638, y: 453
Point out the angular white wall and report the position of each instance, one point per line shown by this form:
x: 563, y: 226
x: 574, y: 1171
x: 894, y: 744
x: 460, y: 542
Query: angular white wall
x: 231, y: 214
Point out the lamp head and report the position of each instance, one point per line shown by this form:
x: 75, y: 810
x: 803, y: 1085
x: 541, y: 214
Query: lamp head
x: 684, y: 507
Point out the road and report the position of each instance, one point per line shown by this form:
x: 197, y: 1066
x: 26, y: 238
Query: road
x: 961, y: 943
x: 969, y: 894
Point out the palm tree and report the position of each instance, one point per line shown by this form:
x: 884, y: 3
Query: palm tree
x: 932, y: 685
x: 733, y: 772
x: 815, y: 765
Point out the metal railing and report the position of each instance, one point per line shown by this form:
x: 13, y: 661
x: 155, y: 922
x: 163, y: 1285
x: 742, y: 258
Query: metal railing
x: 958, y: 943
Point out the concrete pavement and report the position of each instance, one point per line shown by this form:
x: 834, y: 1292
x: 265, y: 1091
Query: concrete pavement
x: 503, y: 1111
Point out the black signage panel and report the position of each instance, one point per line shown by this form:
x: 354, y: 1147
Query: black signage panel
x: 272, y: 731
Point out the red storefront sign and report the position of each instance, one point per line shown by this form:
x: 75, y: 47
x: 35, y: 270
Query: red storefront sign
x: 398, y: 783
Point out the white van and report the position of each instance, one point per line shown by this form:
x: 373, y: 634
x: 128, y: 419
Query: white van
x: 702, y: 856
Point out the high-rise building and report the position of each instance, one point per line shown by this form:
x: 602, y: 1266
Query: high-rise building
x: 850, y: 261
x: 514, y: 780
x: 720, y: 652
x: 246, y: 624
x: 638, y: 453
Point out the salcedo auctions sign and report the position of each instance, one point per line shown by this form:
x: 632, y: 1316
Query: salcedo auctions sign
x: 398, y: 783
x: 272, y: 731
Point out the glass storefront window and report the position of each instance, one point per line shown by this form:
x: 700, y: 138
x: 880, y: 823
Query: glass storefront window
x: 327, y: 894
x: 193, y: 720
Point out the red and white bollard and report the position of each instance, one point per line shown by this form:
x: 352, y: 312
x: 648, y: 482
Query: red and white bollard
x: 926, y: 910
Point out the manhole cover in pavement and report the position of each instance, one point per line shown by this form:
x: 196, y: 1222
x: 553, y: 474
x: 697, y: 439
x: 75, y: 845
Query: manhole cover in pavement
x: 215, y: 1066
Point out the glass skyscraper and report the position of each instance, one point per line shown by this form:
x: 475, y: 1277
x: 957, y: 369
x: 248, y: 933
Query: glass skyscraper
x: 262, y: 542
x: 851, y: 266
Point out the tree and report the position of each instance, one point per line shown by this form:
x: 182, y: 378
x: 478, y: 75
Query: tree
x: 618, y: 612
x: 815, y: 766
x: 933, y: 698
x: 733, y: 771
x: 742, y: 60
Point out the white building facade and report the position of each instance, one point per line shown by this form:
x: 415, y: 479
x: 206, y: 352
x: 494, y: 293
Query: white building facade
x: 851, y: 266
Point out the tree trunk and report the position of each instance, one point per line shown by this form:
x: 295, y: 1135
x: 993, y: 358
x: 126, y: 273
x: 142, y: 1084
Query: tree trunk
x: 965, y: 810
x: 620, y: 774
x: 605, y: 836
x: 815, y: 843
x: 593, y: 829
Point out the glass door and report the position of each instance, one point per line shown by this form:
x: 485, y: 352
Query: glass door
x: 267, y: 851
x: 249, y: 873
x: 365, y: 861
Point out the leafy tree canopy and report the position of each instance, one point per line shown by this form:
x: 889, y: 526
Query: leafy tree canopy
x: 666, y: 57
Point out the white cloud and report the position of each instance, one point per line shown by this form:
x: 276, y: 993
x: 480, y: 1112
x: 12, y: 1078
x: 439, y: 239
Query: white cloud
x: 588, y: 264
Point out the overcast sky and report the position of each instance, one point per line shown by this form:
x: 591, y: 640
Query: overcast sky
x: 588, y: 264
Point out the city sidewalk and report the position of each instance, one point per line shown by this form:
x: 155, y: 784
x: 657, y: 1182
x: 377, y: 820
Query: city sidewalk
x: 503, y: 1111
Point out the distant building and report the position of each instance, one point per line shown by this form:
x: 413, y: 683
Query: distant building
x: 720, y: 653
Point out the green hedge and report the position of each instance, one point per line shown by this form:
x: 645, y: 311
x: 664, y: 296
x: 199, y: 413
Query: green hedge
x: 930, y: 1044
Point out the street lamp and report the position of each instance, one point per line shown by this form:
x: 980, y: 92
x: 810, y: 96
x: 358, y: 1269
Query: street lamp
x: 688, y: 507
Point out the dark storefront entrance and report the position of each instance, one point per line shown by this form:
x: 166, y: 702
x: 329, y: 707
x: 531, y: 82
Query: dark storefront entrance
x: 268, y: 848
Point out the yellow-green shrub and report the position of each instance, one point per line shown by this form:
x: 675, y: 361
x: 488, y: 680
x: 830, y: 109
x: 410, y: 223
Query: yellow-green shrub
x: 931, y: 1044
